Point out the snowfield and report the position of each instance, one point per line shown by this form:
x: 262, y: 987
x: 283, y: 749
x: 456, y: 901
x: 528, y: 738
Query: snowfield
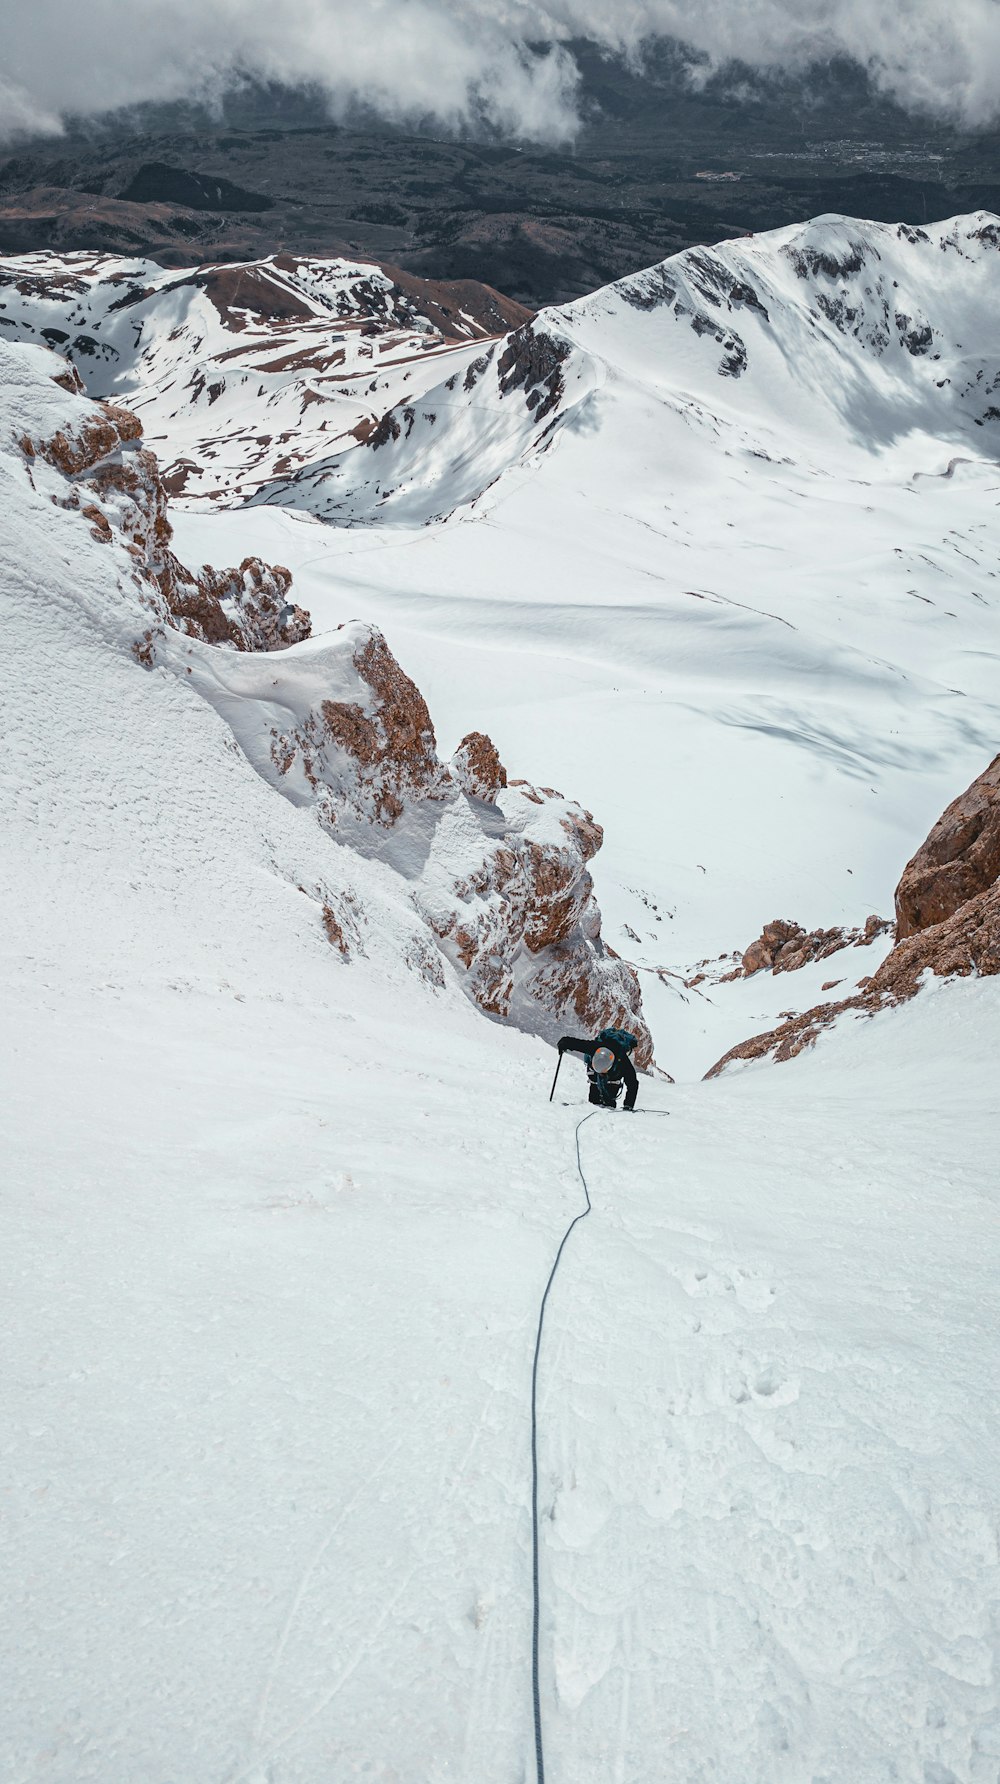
x: 276, y: 1226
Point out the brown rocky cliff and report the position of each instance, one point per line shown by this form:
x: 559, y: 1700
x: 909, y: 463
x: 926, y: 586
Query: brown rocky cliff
x: 948, y: 901
x: 114, y: 481
x: 960, y: 858
x: 369, y: 759
x: 784, y: 947
x: 498, y: 869
x: 477, y: 767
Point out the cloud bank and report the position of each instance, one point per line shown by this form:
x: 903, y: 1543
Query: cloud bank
x: 460, y: 62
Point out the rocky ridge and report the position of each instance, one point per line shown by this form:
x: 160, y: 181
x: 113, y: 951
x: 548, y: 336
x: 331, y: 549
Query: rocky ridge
x: 414, y: 465
x: 784, y: 947
x: 959, y: 860
x: 878, y: 308
x: 113, y: 480
x: 496, y: 869
x: 948, y: 922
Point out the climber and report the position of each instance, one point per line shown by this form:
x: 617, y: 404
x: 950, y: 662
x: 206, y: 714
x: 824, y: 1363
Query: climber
x: 608, y: 1065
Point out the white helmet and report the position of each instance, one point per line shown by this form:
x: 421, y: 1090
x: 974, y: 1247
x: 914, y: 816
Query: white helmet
x: 603, y: 1060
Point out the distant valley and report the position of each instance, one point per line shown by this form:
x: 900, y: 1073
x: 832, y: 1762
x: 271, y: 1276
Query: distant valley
x: 657, y: 168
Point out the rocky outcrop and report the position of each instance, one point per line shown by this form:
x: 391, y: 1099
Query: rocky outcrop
x: 115, y: 483
x: 497, y: 868
x: 255, y: 599
x: 477, y: 767
x: 960, y: 858
x: 948, y: 922
x: 783, y: 947
x: 497, y: 871
x: 368, y: 757
x: 532, y: 361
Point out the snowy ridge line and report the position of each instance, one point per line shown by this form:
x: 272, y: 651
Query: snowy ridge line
x: 536, y: 1698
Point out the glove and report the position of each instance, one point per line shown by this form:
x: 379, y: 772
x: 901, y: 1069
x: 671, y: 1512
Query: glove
x: 562, y: 1046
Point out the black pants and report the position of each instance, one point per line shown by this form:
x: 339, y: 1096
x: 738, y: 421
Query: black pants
x: 605, y: 1095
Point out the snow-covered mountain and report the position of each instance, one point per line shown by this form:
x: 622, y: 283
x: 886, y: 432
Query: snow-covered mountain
x: 834, y: 341
x: 731, y: 516
x: 714, y: 552
x: 244, y: 372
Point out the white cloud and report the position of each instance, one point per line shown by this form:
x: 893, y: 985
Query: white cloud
x: 455, y: 60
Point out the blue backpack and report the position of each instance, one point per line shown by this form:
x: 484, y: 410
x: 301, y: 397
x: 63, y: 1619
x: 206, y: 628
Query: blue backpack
x: 616, y: 1037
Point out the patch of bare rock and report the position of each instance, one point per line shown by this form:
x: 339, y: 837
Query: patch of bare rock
x: 960, y: 858
x: 498, y: 867
x: 947, y: 923
x: 114, y: 481
x: 783, y: 947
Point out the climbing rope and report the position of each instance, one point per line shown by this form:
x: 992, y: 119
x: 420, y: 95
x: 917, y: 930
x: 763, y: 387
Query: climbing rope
x: 535, y: 1694
x: 539, y: 1753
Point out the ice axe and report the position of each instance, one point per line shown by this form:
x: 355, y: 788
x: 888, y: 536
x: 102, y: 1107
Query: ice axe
x: 552, y: 1092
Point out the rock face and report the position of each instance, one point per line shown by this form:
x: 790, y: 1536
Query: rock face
x: 477, y: 768
x: 495, y: 870
x: 532, y: 361
x: 960, y: 858
x: 948, y: 922
x: 783, y: 947
x: 115, y: 483
x: 367, y: 754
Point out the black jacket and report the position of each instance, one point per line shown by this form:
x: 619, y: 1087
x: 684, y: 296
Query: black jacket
x: 622, y: 1068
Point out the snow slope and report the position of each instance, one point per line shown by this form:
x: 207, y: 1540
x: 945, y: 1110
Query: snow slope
x: 275, y: 1242
x: 276, y: 1227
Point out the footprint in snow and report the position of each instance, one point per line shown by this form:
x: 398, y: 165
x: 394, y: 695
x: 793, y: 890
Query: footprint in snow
x: 751, y: 1291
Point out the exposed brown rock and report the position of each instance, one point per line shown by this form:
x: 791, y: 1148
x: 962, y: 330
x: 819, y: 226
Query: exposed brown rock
x: 962, y: 852
x: 783, y: 947
x: 392, y: 743
x: 504, y: 892
x: 334, y: 932
x: 552, y: 905
x: 790, y: 1038
x: 447, y: 303
x: 477, y: 767
x: 388, y: 742
x: 70, y: 380
x: 103, y: 460
x: 235, y: 290
x: 409, y: 734
x: 966, y: 942
x: 100, y: 524
x: 960, y: 858
x: 588, y: 835
x: 99, y: 433
x: 256, y: 600
x: 513, y: 910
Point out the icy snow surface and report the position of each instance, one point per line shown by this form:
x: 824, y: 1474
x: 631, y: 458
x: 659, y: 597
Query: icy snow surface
x: 276, y: 1226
